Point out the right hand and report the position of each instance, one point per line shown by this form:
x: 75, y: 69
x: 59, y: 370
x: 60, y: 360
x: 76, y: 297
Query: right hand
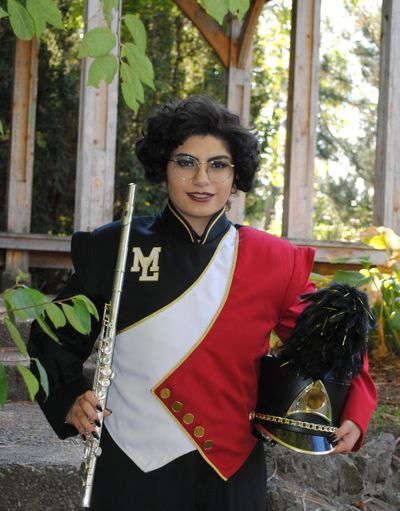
x: 83, y: 413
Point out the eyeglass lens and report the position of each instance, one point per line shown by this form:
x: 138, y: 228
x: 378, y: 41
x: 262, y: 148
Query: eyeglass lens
x: 218, y: 170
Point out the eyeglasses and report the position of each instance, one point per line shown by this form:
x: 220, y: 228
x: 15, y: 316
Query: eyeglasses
x: 218, y: 170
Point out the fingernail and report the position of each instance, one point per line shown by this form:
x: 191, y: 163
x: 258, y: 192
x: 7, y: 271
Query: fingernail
x: 99, y: 408
x: 97, y: 422
x: 84, y: 438
x: 332, y: 438
x: 109, y: 410
x: 96, y: 436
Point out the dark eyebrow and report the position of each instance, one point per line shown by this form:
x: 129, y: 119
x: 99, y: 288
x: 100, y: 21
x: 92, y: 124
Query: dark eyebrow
x: 218, y: 157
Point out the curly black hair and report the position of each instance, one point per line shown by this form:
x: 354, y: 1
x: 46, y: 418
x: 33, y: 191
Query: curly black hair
x: 171, y: 125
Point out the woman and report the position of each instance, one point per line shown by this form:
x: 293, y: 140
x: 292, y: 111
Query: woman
x: 200, y: 299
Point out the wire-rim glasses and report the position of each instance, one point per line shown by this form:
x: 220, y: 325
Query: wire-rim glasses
x: 218, y: 169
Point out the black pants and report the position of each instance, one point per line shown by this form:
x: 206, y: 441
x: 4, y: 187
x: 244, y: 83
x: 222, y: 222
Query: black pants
x: 186, y: 484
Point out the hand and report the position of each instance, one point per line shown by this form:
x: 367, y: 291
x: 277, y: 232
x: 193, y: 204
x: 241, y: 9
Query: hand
x: 83, y: 414
x: 347, y: 435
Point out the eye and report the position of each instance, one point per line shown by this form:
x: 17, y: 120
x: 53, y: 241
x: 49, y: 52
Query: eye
x: 219, y: 164
x: 186, y: 161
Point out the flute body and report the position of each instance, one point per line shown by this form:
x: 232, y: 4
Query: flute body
x: 103, y: 372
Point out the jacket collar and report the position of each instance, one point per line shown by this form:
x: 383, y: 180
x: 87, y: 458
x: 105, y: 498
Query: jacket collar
x: 217, y: 225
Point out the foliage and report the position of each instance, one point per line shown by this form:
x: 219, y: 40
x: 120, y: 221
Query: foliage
x: 347, y: 119
x: 382, y: 283
x: 24, y: 303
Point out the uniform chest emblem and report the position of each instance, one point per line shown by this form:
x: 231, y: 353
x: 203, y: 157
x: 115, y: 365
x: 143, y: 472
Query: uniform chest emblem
x: 148, y: 266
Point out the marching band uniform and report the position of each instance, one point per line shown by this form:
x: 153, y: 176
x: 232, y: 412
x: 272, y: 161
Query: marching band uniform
x: 195, y: 318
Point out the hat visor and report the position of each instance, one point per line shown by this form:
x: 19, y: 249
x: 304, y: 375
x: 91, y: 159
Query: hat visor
x: 305, y: 443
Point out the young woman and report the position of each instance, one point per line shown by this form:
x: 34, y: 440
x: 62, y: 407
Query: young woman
x: 200, y: 299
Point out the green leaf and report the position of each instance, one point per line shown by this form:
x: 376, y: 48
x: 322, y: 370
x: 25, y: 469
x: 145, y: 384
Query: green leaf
x: 83, y: 314
x: 30, y: 380
x: 37, y: 16
x: 55, y: 314
x: 74, y: 318
x: 108, y: 5
x: 90, y: 306
x: 137, y: 31
x: 217, y: 10
x: 50, y: 12
x: 129, y: 97
x: 3, y: 13
x: 46, y: 329
x: 3, y: 385
x: 16, y: 336
x: 102, y: 68
x: 377, y: 242
x: 30, y: 302
x: 21, y: 278
x: 21, y: 21
x: 1, y: 129
x: 97, y: 42
x: 132, y: 81
x: 44, y: 381
x: 395, y: 320
x: 239, y: 7
x: 354, y: 278
x: 140, y: 63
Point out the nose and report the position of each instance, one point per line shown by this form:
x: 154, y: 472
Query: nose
x: 201, y: 177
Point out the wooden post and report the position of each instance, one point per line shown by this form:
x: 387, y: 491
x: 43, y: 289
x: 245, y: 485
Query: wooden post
x: 238, y: 101
x: 302, y: 119
x: 94, y: 194
x: 20, y: 173
x: 387, y: 167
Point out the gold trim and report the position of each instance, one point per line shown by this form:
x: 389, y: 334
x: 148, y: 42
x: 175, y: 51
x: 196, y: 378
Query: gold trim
x: 197, y: 446
x: 212, y: 225
x: 190, y: 287
x: 182, y: 222
x: 292, y: 422
x: 194, y: 347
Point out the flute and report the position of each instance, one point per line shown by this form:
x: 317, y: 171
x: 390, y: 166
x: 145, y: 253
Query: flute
x: 103, y: 373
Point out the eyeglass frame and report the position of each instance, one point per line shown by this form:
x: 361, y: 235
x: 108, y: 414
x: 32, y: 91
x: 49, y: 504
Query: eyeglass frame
x: 198, y: 165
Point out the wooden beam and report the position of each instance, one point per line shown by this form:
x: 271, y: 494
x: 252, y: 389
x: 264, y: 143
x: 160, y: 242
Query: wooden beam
x: 35, y: 242
x: 94, y: 195
x: 208, y: 27
x: 20, y: 171
x: 302, y: 119
x: 248, y: 30
x: 55, y: 251
x: 387, y: 168
x: 238, y: 101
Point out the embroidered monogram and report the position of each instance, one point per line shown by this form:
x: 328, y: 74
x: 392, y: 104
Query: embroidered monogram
x: 148, y: 266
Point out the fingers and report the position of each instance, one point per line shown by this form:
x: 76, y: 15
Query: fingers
x: 347, y: 435
x: 86, y: 413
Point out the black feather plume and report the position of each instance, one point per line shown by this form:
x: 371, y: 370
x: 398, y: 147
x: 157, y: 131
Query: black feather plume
x: 331, y: 333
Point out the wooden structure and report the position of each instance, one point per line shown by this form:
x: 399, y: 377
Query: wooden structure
x: 97, y: 129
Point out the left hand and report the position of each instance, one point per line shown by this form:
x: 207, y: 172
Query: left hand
x: 347, y: 435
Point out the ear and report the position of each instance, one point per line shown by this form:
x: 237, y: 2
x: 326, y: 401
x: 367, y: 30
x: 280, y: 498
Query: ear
x: 234, y: 190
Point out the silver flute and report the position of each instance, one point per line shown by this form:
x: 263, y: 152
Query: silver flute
x: 104, y: 373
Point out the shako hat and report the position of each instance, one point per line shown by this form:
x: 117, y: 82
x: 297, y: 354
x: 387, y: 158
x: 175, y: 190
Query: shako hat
x: 303, y: 388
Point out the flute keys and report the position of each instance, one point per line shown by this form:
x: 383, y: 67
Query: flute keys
x: 106, y: 371
x: 98, y: 451
x: 105, y: 382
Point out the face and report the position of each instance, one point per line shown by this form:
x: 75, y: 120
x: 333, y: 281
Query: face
x: 198, y: 198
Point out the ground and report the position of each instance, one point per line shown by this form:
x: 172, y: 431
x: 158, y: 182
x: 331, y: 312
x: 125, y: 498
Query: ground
x: 386, y: 374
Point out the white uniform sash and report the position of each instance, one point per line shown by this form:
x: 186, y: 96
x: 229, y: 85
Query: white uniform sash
x: 148, y: 350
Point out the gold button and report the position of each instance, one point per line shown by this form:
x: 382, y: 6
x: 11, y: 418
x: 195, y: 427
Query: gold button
x: 208, y: 444
x: 199, y: 431
x: 188, y: 418
x: 165, y: 393
x: 177, y: 406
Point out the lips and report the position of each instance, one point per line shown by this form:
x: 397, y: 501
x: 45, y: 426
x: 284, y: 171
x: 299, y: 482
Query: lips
x: 201, y: 196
